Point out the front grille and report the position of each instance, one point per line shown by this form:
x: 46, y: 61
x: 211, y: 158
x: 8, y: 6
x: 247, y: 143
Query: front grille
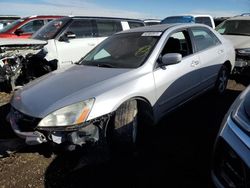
x: 25, y: 123
x: 229, y: 168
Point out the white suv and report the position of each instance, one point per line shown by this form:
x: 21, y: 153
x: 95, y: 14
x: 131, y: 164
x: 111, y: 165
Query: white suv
x: 71, y: 38
x: 237, y: 30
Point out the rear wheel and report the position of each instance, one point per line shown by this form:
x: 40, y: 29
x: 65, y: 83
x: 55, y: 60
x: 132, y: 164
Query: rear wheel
x: 221, y: 83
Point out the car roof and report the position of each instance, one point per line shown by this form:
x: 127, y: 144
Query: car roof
x: 161, y: 27
x: 193, y: 15
x: 101, y: 17
x: 152, y: 20
x: 43, y: 16
x: 153, y: 28
x: 240, y: 18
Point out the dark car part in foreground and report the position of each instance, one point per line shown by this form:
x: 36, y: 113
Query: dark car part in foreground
x: 231, y: 160
x: 21, y: 61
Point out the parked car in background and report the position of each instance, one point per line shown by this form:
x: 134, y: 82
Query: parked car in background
x: 237, y: 30
x: 130, y: 80
x: 25, y: 27
x: 6, y: 20
x: 245, y: 14
x: 231, y: 156
x: 149, y: 22
x: 71, y: 38
x: 219, y: 20
x: 202, y: 19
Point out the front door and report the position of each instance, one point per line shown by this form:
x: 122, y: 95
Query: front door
x: 82, y: 40
x: 177, y: 83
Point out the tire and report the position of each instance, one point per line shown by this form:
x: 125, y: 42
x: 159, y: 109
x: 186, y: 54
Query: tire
x: 222, y: 79
x: 123, y: 130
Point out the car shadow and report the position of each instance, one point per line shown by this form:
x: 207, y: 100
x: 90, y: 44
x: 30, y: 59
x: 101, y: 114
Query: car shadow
x: 5, y: 129
x: 241, y: 79
x: 178, y: 153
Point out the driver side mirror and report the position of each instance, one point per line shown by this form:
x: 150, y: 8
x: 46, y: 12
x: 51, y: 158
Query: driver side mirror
x: 68, y: 35
x: 18, y: 32
x: 170, y: 59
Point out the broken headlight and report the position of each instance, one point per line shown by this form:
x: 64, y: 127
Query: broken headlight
x: 243, y: 51
x: 74, y: 114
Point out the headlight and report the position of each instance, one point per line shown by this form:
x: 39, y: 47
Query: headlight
x: 240, y: 112
x: 243, y: 51
x: 67, y: 116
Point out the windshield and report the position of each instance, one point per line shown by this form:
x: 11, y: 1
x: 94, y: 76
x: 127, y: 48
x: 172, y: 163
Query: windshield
x: 128, y: 50
x: 50, y: 30
x: 10, y: 26
x: 234, y: 27
x: 178, y: 19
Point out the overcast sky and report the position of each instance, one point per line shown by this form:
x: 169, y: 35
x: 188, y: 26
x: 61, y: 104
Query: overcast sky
x: 124, y: 8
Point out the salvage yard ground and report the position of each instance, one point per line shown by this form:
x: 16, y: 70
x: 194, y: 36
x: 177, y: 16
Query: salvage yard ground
x: 178, y: 153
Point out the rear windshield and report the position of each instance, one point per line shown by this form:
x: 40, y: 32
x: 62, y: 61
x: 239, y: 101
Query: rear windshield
x: 234, y: 27
x: 178, y: 19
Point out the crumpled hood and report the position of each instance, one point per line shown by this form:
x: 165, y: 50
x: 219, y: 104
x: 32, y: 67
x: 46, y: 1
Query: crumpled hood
x: 239, y: 41
x: 21, y: 42
x: 61, y: 88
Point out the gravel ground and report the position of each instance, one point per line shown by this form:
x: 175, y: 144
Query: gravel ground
x: 178, y: 155
x: 4, y: 98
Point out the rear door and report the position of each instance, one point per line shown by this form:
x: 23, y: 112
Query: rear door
x: 179, y: 82
x: 211, y: 54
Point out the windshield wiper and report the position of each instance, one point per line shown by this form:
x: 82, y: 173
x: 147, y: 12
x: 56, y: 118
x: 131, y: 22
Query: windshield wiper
x: 95, y: 63
x: 107, y: 65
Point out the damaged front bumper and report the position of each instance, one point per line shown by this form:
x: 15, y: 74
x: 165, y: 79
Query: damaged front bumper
x: 242, y: 64
x: 26, y: 128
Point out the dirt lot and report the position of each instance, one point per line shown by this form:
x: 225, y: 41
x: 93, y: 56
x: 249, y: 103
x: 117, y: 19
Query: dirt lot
x: 177, y: 155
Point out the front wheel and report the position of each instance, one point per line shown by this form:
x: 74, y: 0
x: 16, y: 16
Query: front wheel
x: 222, y: 79
x: 123, y: 128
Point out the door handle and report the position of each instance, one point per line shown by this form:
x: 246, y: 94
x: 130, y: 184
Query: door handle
x: 220, y: 51
x: 91, y: 44
x: 195, y: 63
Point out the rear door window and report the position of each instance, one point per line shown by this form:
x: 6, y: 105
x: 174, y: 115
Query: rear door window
x: 82, y: 28
x: 203, y: 38
x: 135, y: 24
x: 106, y: 28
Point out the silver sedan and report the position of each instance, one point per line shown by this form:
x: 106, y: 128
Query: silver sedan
x: 124, y: 85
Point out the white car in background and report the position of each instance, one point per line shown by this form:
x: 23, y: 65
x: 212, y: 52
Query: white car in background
x: 71, y: 38
x: 190, y: 18
x: 237, y: 30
